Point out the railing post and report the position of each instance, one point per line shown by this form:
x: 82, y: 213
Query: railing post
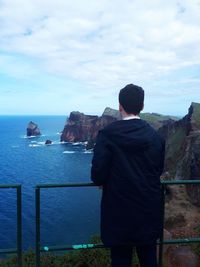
x: 37, y: 205
x: 162, y: 233
x: 19, y: 226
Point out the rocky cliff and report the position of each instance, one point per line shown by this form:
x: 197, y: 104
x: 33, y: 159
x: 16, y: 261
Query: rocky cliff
x: 182, y: 158
x: 81, y: 127
x: 32, y: 129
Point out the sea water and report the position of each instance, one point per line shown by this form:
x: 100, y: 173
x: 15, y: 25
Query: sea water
x: 68, y: 215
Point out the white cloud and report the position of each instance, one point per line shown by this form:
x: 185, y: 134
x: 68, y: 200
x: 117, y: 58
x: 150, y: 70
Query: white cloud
x: 103, y: 44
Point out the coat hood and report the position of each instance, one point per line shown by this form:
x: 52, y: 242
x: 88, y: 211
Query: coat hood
x: 130, y: 134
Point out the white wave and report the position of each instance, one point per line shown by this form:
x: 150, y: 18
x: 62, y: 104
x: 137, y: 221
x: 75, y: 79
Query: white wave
x: 41, y: 143
x: 58, y: 142
x: 88, y: 151
x: 28, y: 137
x: 69, y: 152
x: 77, y: 143
x: 34, y: 145
x: 63, y: 142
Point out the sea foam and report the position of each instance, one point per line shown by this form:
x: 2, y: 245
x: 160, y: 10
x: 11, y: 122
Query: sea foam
x: 68, y: 152
x: 34, y: 145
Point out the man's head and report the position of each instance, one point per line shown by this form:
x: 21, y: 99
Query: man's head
x: 131, y: 99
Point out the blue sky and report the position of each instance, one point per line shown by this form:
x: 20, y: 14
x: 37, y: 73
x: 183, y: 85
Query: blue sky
x: 59, y: 56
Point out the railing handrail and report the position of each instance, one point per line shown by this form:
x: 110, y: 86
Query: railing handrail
x: 179, y: 182
x: 165, y: 182
x: 10, y: 185
x: 100, y: 245
x: 40, y: 248
x: 64, y: 185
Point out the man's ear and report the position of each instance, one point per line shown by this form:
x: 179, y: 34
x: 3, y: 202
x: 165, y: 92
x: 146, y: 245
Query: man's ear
x: 120, y: 108
x: 142, y: 107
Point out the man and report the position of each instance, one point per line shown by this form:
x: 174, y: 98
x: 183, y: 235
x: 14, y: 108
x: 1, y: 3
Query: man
x: 128, y: 161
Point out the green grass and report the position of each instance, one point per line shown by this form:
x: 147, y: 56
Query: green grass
x: 156, y: 120
x: 196, y: 113
x: 174, y: 149
x: 154, y: 117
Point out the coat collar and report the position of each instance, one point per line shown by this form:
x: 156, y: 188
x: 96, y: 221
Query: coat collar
x: 131, y: 117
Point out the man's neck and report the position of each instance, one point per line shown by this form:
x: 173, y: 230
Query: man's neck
x: 130, y: 116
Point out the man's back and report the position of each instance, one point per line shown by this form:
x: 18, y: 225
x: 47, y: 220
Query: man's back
x: 128, y: 161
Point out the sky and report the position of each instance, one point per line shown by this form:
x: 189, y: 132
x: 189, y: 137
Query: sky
x: 62, y: 56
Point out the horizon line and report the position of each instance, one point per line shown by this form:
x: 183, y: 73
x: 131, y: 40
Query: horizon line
x: 59, y: 115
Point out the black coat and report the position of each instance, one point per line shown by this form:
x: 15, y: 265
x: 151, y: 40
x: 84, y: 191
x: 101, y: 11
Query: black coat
x: 128, y: 161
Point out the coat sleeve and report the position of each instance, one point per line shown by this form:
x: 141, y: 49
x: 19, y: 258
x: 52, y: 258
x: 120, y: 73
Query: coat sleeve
x: 162, y: 160
x: 101, y: 160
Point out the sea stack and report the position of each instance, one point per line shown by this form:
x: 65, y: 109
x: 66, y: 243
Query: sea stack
x: 32, y: 129
x: 48, y: 142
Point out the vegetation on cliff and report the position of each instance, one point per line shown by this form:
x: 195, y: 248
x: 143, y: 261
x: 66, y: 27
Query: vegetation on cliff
x: 80, y: 258
x: 196, y: 113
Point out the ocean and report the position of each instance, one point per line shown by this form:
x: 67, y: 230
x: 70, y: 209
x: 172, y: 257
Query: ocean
x: 68, y: 215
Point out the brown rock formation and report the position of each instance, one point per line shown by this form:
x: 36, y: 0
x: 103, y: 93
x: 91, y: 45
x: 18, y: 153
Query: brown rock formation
x: 190, y: 166
x: 182, y: 158
x: 81, y: 127
x: 176, y: 133
x: 78, y: 127
x: 32, y: 129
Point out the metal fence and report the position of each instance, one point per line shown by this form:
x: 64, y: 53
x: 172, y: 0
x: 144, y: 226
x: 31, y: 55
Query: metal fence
x: 18, y: 249
x: 39, y: 248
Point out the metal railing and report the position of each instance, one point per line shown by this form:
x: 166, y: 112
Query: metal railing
x: 18, y: 249
x: 161, y: 242
x: 39, y: 248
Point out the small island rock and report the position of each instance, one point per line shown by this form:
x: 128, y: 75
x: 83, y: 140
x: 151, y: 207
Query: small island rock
x: 32, y: 129
x: 48, y: 142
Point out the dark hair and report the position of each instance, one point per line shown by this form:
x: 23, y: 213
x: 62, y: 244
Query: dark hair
x: 131, y: 97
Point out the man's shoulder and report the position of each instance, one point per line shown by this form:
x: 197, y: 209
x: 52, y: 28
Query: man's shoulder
x: 127, y: 123
x: 112, y: 127
x: 123, y: 125
x: 156, y: 135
